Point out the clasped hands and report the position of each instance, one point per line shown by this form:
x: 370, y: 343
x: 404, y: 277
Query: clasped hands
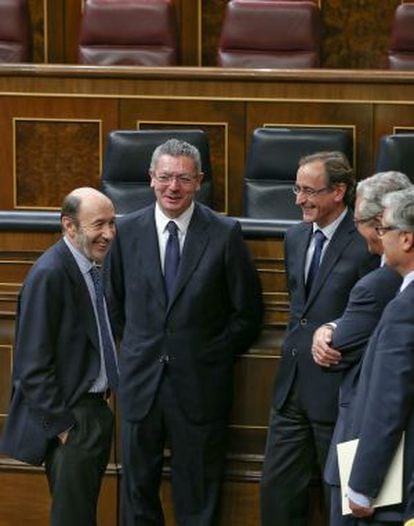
x: 322, y: 352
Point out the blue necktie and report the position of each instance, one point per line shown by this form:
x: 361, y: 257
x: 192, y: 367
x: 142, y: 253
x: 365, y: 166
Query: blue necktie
x: 320, y: 238
x: 172, y: 258
x: 107, y: 346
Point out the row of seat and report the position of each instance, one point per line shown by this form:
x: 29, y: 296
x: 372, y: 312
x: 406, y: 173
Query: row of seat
x: 255, y: 34
x: 271, y: 165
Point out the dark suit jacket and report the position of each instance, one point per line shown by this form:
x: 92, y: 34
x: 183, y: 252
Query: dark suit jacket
x: 213, y: 314
x: 346, y: 260
x: 365, y: 306
x: 56, y: 354
x: 384, y: 402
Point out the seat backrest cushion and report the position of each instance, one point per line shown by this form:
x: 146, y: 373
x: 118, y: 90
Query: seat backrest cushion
x: 128, y: 32
x: 265, y: 33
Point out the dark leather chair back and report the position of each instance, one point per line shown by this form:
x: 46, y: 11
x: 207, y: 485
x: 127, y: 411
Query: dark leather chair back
x: 125, y: 177
x: 128, y: 32
x: 396, y: 152
x: 401, y: 52
x: 269, y: 34
x: 15, y: 34
x: 272, y: 164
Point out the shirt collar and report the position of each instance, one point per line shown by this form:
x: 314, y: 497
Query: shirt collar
x: 182, y: 221
x: 329, y: 230
x: 83, y: 262
x: 408, y: 278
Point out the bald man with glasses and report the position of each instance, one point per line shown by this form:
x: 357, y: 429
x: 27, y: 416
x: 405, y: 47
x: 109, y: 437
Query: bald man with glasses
x: 324, y: 256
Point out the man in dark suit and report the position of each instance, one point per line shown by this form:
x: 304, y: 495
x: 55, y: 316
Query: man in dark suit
x: 339, y: 346
x: 384, y: 401
x: 304, y: 404
x: 58, y: 412
x: 185, y: 300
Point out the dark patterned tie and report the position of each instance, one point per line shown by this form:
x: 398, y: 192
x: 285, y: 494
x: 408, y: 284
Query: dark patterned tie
x: 172, y: 258
x: 320, y: 238
x: 107, y: 346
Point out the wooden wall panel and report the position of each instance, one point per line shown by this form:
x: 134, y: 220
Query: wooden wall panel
x: 51, y: 146
x: 390, y: 119
x: 356, y: 34
x: 52, y: 157
x: 221, y: 121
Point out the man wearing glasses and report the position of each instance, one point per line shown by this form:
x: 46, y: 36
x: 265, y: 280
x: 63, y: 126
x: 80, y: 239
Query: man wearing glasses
x: 384, y: 402
x: 325, y: 256
x: 185, y: 300
x: 340, y: 345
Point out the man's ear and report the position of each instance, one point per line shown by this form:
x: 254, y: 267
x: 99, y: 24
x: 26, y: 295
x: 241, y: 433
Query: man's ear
x: 339, y: 192
x: 150, y: 174
x: 408, y: 241
x: 68, y: 226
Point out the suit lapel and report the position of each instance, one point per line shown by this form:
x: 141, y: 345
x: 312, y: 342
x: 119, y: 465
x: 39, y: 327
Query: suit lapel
x: 81, y: 292
x: 195, y: 244
x: 150, y: 255
x: 341, y: 238
x: 302, y: 248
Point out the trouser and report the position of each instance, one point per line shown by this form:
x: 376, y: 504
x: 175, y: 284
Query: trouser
x: 197, y: 461
x: 296, y: 449
x: 75, y: 469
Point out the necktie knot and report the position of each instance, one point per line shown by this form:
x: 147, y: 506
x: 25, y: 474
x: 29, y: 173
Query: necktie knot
x: 172, y: 228
x: 319, y: 238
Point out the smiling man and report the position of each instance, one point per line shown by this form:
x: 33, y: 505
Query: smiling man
x: 324, y: 257
x: 65, y: 363
x: 185, y: 299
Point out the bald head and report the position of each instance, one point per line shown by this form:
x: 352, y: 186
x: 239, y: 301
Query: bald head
x: 88, y: 222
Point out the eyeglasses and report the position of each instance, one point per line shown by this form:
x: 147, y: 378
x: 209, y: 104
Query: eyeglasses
x: 364, y: 220
x: 382, y: 230
x: 309, y: 192
x: 166, y: 178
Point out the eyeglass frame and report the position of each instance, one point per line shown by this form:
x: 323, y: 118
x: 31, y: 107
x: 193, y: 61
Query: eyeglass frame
x: 184, y: 179
x: 363, y: 221
x: 382, y: 230
x: 309, y: 192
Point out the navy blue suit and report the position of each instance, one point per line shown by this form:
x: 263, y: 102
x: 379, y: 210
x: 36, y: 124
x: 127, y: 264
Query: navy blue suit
x: 305, y: 397
x: 179, y: 354
x: 366, y: 304
x: 56, y: 361
x: 384, y: 403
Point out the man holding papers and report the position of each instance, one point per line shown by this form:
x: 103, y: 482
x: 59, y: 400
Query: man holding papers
x: 384, y: 403
x: 339, y: 346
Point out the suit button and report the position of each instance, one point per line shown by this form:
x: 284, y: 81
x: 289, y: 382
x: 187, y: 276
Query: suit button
x: 294, y: 352
x: 303, y: 321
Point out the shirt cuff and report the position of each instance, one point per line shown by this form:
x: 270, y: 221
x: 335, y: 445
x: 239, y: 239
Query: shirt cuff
x: 332, y: 325
x: 359, y: 498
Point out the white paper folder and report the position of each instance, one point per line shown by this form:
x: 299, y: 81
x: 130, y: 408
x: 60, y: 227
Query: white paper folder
x: 391, y: 490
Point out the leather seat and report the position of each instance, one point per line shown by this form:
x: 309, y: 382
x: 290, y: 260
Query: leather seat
x: 401, y: 52
x: 396, y: 152
x: 269, y: 34
x: 125, y: 177
x: 128, y: 32
x: 272, y: 164
x: 15, y: 35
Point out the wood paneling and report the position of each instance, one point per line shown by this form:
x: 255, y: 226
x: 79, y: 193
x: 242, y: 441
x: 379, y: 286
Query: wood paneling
x: 52, y: 157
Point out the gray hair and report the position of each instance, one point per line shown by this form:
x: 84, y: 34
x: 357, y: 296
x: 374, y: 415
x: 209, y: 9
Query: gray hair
x: 176, y: 148
x: 70, y: 207
x: 338, y: 170
x: 371, y: 191
x: 400, y: 209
